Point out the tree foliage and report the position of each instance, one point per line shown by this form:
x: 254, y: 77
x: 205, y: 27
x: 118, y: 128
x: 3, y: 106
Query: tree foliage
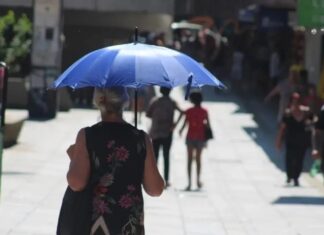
x: 15, y: 41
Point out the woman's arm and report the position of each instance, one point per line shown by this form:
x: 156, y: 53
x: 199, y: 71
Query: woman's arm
x: 207, y: 120
x: 273, y: 92
x: 183, y: 125
x: 178, y: 120
x: 153, y: 182
x: 79, y: 170
x: 280, y: 135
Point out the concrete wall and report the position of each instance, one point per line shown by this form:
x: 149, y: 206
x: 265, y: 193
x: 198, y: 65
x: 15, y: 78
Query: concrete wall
x: 165, y: 6
x: 16, y: 3
x: 148, y: 15
x: 125, y: 20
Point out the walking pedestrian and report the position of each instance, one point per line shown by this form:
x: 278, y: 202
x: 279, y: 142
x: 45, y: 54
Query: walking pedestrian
x: 196, y: 118
x: 161, y: 111
x: 295, y: 131
x: 113, y: 159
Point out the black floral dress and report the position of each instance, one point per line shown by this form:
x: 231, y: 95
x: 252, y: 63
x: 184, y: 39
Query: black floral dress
x: 117, y: 152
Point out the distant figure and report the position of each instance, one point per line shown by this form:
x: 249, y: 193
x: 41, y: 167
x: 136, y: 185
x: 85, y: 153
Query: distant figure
x: 312, y: 100
x: 274, y: 67
x: 196, y: 117
x: 237, y: 69
x: 161, y: 111
x: 295, y: 131
x: 113, y: 160
x: 284, y: 89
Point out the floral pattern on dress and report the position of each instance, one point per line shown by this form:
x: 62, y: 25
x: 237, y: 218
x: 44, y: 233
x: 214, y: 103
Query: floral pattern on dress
x: 132, y: 201
x: 101, y: 201
x: 112, y: 160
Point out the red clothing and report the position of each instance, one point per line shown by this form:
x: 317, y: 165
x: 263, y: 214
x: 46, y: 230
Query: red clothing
x: 313, y: 102
x: 196, y: 117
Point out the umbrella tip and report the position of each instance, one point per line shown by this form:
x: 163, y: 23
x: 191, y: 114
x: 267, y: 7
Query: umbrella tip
x: 136, y: 35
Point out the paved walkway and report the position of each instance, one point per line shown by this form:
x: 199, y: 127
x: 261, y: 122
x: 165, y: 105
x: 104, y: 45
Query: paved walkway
x: 243, y: 193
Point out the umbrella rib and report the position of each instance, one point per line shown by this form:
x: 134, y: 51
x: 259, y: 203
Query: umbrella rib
x: 161, y: 62
x: 108, y: 70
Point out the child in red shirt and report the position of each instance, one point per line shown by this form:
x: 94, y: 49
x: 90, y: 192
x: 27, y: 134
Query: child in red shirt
x: 196, y: 119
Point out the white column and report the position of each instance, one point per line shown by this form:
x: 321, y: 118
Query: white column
x: 46, y: 57
x: 313, y: 52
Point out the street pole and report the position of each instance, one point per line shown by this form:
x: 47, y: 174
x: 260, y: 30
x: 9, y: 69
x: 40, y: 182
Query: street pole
x: 3, y: 105
x: 45, y: 58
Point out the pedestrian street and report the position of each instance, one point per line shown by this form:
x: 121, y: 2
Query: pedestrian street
x: 244, y: 193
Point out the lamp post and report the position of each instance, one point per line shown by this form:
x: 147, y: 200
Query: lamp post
x: 3, y: 104
x: 46, y: 57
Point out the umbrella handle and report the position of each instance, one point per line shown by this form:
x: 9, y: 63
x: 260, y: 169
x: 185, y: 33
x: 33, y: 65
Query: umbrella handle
x: 135, y: 108
x: 135, y: 35
x: 188, y: 87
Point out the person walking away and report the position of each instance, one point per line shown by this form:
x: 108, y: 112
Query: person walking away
x: 196, y: 118
x: 108, y: 157
x: 295, y: 131
x: 161, y: 111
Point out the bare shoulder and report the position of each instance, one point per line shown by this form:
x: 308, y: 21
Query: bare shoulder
x: 81, y: 135
x: 304, y: 108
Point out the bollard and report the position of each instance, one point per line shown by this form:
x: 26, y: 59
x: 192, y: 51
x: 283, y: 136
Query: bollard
x: 3, y: 103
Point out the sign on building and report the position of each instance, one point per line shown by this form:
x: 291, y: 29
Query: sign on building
x: 311, y: 13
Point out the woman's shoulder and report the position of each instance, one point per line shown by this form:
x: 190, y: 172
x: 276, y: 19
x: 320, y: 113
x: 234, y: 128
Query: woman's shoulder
x: 122, y: 126
x: 204, y: 109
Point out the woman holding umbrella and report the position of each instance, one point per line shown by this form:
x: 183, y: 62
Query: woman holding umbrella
x: 114, y: 159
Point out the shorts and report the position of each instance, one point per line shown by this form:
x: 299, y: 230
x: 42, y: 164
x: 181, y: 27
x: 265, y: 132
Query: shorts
x: 196, y: 143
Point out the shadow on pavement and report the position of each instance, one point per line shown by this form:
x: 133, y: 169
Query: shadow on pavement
x: 16, y: 173
x: 303, y: 200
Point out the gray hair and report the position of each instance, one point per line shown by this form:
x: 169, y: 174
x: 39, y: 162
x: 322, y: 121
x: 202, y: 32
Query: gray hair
x: 110, y: 100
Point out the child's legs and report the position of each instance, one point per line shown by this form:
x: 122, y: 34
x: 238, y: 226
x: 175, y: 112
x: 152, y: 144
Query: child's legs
x: 166, y: 155
x: 190, y: 157
x: 198, y: 163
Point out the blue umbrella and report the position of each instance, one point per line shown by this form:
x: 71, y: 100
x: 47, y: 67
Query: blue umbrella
x: 135, y: 65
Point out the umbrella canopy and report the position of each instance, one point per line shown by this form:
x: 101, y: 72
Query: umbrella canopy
x: 135, y: 65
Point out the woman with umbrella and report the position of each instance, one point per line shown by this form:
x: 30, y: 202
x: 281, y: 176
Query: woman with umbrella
x: 114, y: 167
x: 114, y: 147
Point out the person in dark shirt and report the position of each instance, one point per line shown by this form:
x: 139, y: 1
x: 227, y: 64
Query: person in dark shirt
x: 161, y: 112
x: 109, y: 154
x: 295, y: 131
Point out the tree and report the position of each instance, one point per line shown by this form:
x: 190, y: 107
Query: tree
x: 15, y: 42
